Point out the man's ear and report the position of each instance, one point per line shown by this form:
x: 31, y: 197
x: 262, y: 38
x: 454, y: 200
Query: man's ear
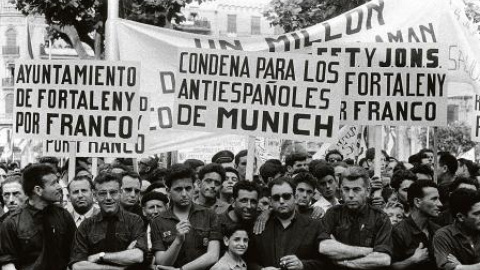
x: 225, y: 241
x: 289, y: 168
x: 37, y: 190
x: 460, y: 217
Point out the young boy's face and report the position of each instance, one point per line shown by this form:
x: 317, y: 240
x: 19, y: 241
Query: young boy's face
x: 395, y: 214
x: 237, y: 243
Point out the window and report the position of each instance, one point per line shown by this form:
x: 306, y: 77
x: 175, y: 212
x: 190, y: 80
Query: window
x: 231, y: 23
x: 255, y: 25
x: 11, y: 36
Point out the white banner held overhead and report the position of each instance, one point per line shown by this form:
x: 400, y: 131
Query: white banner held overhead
x: 61, y: 148
x: 392, y: 84
x: 260, y: 94
x: 77, y: 101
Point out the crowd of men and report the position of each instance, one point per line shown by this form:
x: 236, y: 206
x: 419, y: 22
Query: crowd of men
x: 300, y: 214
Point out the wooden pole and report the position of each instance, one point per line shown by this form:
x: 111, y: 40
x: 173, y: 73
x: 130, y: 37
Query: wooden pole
x: 435, y: 154
x: 72, y: 161
x: 250, y: 158
x: 378, y: 151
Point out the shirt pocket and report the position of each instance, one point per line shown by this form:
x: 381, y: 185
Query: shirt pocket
x: 31, y: 240
x: 123, y: 239
x: 367, y: 236
x: 96, y: 239
x: 202, y: 237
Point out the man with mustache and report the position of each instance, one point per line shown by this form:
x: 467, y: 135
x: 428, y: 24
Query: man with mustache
x: 211, y: 178
x: 356, y: 235
x: 113, y: 238
x: 413, y: 236
x: 80, y: 192
x: 38, y: 235
x: 13, y: 195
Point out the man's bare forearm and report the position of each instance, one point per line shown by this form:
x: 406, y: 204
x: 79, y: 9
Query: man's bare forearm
x: 338, y: 251
x: 126, y: 257
x: 85, y: 265
x: 371, y: 261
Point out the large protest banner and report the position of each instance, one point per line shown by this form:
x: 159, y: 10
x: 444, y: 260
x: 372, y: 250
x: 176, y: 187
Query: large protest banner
x: 382, y: 21
x: 77, y: 101
x: 274, y: 95
x: 392, y: 84
x: 61, y: 148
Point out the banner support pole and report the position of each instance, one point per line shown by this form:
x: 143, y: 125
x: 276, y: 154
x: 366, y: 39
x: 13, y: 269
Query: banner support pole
x: 72, y: 161
x: 378, y: 151
x: 435, y: 155
x: 250, y: 158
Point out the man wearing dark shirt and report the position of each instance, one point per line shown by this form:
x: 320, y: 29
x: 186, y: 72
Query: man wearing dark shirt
x: 305, y: 186
x: 243, y: 211
x: 211, y: 178
x: 290, y: 240
x: 130, y: 195
x: 113, y: 238
x: 13, y: 195
x: 186, y: 235
x: 39, y: 235
x: 457, y: 246
x: 412, y: 237
x: 362, y: 233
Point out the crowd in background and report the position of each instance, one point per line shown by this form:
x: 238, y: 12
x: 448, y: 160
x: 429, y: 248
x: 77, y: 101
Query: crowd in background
x: 330, y: 213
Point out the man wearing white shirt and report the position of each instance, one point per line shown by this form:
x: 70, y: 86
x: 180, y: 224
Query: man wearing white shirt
x: 81, y: 197
x: 327, y: 186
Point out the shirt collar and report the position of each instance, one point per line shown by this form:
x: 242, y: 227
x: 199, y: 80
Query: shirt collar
x: 232, y: 264
x: 88, y: 214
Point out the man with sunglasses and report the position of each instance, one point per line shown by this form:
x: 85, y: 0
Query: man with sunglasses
x: 130, y: 193
x: 187, y: 235
x: 290, y: 239
x: 356, y: 235
x: 112, y: 239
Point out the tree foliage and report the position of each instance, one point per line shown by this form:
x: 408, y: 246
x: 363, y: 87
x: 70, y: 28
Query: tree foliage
x: 84, y: 20
x: 454, y: 138
x: 297, y: 14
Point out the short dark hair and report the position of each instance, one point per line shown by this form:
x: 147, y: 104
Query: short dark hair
x: 370, y: 154
x: 280, y: 181
x: 463, y: 180
x: 132, y: 174
x: 305, y: 177
x: 462, y: 200
x: 352, y: 173
x: 158, y: 175
x: 179, y: 171
x: 323, y: 170
x: 401, y: 175
x: 82, y: 178
x: 154, y: 196
x: 422, y: 169
x: 239, y: 155
x: 212, y: 168
x: 450, y: 161
x: 33, y: 176
x: 292, y: 158
x: 232, y: 170
x: 246, y: 185
x: 416, y: 190
x: 423, y: 151
x: 333, y: 152
x: 314, y: 163
x: 271, y: 168
x: 229, y: 230
x: 193, y: 163
x: 105, y: 177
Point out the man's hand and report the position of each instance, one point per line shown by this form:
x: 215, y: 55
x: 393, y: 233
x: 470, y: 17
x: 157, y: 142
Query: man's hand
x: 261, y: 221
x: 453, y: 259
x: 183, y: 227
x: 95, y: 258
x: 317, y: 212
x: 291, y: 262
x: 421, y: 254
x: 132, y: 245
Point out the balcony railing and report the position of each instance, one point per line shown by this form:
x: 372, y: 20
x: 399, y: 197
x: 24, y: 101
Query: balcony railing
x: 10, y: 50
x: 7, y: 82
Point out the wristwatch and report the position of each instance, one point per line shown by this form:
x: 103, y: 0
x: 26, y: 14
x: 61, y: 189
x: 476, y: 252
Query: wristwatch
x: 101, y: 255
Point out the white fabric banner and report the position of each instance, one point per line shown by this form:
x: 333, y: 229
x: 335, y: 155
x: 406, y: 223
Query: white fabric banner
x: 434, y: 21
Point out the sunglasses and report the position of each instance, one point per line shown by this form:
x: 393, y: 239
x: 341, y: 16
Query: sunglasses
x: 284, y: 196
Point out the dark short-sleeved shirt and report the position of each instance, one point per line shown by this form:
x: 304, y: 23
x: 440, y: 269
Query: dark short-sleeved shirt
x: 367, y: 227
x: 299, y: 238
x: 452, y: 240
x: 205, y: 228
x: 91, y: 235
x: 445, y: 218
x: 407, y: 237
x: 219, y: 207
x: 37, y: 239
